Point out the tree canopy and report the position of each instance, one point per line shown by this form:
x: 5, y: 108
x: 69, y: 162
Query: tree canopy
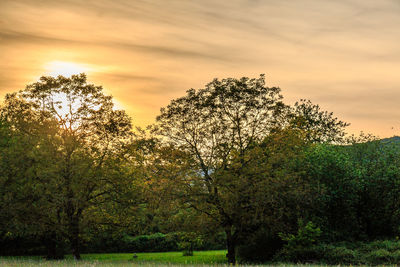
x: 222, y: 123
x: 231, y: 159
x: 73, y: 130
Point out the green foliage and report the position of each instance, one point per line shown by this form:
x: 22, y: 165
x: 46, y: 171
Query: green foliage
x: 388, y: 245
x: 64, y: 161
x: 355, y: 253
x: 157, y: 242
x: 211, y: 126
x: 320, y: 126
x: 339, y: 255
x: 302, y: 246
x: 380, y: 256
x: 328, y: 254
x: 377, y: 167
x: 230, y: 158
x: 245, y: 147
x: 152, y: 243
x: 188, y: 241
x: 307, y: 235
x: 259, y: 247
x: 335, y: 191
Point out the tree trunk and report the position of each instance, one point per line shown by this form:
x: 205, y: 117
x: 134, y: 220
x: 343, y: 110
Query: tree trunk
x: 76, y: 249
x: 75, y: 240
x: 55, y: 250
x: 231, y: 245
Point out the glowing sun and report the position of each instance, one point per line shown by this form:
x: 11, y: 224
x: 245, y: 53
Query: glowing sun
x: 55, y: 68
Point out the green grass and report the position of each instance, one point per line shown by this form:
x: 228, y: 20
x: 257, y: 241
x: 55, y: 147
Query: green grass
x: 125, y: 259
x: 170, y: 259
x: 199, y: 257
x: 85, y: 263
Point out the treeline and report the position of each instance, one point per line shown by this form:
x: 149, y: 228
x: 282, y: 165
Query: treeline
x: 230, y: 160
x: 106, y: 242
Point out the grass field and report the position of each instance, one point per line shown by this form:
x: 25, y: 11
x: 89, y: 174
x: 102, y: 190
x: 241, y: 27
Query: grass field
x: 124, y: 259
x: 199, y: 257
x: 171, y: 259
x: 86, y: 263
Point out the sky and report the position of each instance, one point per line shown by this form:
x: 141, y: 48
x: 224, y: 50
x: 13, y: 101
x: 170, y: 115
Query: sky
x: 343, y: 55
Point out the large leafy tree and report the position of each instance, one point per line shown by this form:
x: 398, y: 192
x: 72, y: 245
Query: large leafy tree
x: 211, y: 124
x: 75, y: 133
x: 217, y: 127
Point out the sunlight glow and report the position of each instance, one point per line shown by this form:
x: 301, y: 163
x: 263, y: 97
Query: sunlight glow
x: 55, y: 68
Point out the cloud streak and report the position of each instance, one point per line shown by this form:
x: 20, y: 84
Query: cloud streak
x: 343, y: 54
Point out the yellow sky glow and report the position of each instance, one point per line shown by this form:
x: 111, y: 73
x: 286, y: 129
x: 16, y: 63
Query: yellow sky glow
x: 55, y: 68
x: 343, y: 55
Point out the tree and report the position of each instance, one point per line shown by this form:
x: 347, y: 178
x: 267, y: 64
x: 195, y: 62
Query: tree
x: 209, y: 124
x: 19, y: 203
x: 217, y: 127
x: 330, y: 171
x: 320, y: 126
x: 376, y: 174
x: 75, y: 131
x: 358, y: 196
x: 271, y: 193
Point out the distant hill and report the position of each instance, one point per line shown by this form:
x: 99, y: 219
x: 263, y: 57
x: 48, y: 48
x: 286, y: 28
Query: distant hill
x: 391, y: 140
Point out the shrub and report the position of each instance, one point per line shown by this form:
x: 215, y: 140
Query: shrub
x: 307, y: 235
x: 339, y: 255
x: 388, y: 245
x: 188, y: 241
x: 152, y: 243
x: 356, y: 253
x: 259, y: 247
x: 322, y: 253
x: 396, y: 257
x: 380, y: 256
x: 107, y: 242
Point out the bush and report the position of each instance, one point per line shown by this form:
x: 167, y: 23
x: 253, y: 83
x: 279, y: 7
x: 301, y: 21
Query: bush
x: 396, y: 257
x: 374, y: 253
x: 108, y: 243
x: 300, y: 255
x: 307, y: 235
x: 215, y: 241
x: 380, y: 256
x: 158, y: 242
x: 259, y: 247
x: 339, y: 255
x: 187, y: 253
x: 323, y: 253
x: 388, y: 245
x: 188, y: 241
x: 152, y: 243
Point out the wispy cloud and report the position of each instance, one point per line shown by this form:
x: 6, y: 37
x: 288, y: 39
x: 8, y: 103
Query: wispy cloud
x: 343, y: 54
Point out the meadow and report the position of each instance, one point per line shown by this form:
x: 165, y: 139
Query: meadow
x: 200, y: 258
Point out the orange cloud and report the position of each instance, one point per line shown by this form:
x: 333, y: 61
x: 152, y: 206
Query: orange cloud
x: 343, y: 55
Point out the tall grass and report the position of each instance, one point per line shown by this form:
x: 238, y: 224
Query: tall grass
x: 85, y: 263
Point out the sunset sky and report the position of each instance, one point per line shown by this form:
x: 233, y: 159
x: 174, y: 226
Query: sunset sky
x: 343, y: 55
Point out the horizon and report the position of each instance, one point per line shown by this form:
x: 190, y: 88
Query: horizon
x: 341, y: 55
